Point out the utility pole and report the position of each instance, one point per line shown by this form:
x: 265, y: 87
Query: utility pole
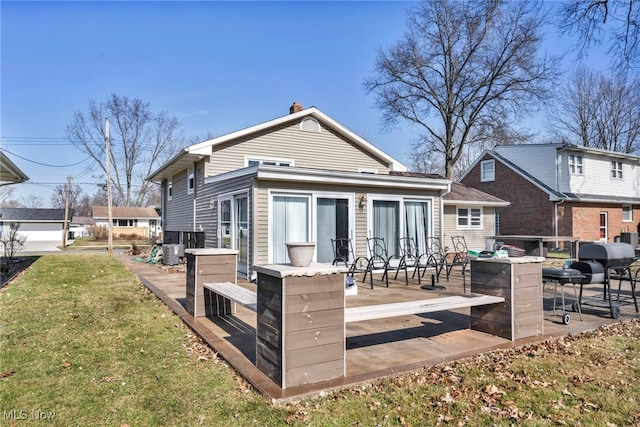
x: 108, y: 153
x: 66, y: 214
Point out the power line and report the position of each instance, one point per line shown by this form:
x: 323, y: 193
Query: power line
x: 44, y: 164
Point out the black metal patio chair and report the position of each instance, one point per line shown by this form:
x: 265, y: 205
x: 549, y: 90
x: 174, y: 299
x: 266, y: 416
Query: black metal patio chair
x: 460, y: 258
x: 379, y: 259
x: 434, y: 257
x: 409, y: 258
x: 344, y: 255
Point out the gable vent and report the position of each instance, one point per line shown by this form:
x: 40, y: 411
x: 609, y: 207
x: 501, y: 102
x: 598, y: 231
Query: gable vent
x: 310, y: 124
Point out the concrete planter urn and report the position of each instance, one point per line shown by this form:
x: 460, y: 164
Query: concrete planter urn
x: 301, y: 253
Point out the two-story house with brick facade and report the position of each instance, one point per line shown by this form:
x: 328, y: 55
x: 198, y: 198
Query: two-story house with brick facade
x: 561, y: 190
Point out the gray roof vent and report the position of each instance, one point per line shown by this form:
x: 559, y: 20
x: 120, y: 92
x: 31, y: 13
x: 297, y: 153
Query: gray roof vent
x: 309, y: 124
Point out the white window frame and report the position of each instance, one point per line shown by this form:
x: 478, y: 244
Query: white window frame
x: 486, y: 174
x: 616, y: 169
x: 191, y: 180
x: 576, y: 164
x: 332, y: 195
x: 470, y: 217
x: 627, y: 213
x: 170, y: 190
x: 268, y: 161
x: 311, y: 224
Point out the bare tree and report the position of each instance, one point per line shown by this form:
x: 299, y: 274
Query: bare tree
x: 13, y: 241
x: 7, y: 197
x: 31, y: 201
x: 598, y: 111
x: 83, y: 208
x: 87, y: 201
x: 474, y: 66
x: 59, y: 196
x: 141, y: 140
x: 614, y: 23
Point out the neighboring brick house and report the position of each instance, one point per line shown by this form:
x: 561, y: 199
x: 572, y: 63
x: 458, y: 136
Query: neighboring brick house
x: 561, y: 190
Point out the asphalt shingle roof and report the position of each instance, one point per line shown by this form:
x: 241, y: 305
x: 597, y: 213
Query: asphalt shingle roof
x: 33, y: 215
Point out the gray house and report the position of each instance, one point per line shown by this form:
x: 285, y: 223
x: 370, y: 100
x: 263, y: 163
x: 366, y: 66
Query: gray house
x: 299, y: 177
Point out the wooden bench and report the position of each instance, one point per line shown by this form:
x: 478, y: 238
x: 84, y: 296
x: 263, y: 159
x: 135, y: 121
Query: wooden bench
x: 248, y: 298
x: 381, y: 311
x: 238, y: 294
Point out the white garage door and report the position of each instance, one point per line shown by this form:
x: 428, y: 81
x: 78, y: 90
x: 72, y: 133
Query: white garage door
x: 41, y: 232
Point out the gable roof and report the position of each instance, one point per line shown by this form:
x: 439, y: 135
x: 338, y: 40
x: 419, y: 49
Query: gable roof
x: 33, y: 215
x: 82, y: 220
x: 461, y: 194
x: 124, y: 212
x: 195, y: 152
x: 554, y: 196
x: 9, y: 172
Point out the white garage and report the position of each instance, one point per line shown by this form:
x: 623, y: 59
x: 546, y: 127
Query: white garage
x: 42, y: 232
x: 38, y: 225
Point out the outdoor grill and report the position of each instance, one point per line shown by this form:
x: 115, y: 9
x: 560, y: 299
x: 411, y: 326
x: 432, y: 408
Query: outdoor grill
x: 597, y: 261
x: 563, y: 276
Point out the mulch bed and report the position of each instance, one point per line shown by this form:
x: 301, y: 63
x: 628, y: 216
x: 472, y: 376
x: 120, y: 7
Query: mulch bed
x: 11, y: 268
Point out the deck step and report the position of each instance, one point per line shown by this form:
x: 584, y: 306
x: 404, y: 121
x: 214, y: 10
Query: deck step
x: 381, y: 311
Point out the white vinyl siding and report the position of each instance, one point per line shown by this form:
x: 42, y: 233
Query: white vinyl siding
x: 597, y: 179
x: 304, y: 148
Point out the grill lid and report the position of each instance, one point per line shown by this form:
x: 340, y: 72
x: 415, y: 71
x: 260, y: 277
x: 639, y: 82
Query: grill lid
x: 608, y: 253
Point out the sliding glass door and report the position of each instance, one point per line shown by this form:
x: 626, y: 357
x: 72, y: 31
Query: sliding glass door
x: 386, y: 223
x: 393, y: 219
x: 417, y: 223
x: 290, y: 223
x: 332, y: 222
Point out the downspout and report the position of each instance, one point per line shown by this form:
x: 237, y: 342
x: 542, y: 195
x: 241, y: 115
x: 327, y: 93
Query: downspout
x: 444, y: 193
x: 556, y: 204
x: 555, y: 214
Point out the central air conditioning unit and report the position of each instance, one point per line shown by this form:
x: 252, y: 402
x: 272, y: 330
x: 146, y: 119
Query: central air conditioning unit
x: 171, y: 254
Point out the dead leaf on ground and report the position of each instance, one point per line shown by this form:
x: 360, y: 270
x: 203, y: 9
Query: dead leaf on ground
x: 8, y: 373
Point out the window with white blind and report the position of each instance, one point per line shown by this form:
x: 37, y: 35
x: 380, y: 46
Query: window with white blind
x: 468, y: 218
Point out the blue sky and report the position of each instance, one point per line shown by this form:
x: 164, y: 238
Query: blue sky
x: 216, y: 66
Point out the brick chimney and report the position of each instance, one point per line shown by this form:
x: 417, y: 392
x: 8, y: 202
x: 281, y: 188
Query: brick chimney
x: 295, y: 108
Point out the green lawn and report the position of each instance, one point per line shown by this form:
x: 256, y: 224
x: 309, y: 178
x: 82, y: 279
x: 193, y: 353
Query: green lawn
x: 84, y: 343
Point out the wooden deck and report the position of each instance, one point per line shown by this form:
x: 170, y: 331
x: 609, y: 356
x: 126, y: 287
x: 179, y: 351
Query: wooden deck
x: 374, y: 348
